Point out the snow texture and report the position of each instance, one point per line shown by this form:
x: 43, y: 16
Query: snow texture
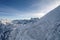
x: 46, y: 28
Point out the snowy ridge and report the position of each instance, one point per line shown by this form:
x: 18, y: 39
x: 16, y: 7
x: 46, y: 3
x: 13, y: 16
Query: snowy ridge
x: 46, y: 28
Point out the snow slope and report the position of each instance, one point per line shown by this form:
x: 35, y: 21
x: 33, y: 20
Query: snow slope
x: 46, y: 28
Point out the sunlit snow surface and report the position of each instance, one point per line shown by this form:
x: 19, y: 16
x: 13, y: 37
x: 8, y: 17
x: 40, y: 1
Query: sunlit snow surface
x: 46, y: 28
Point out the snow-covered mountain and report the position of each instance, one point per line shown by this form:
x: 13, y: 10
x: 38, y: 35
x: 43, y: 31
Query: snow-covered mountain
x: 46, y: 28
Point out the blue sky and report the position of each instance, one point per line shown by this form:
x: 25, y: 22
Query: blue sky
x: 21, y: 9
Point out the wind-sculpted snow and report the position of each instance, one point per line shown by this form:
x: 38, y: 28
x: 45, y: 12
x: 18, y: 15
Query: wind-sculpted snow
x: 5, y: 31
x: 46, y: 28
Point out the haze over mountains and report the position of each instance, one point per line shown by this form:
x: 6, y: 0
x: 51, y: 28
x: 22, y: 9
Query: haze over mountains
x: 46, y: 28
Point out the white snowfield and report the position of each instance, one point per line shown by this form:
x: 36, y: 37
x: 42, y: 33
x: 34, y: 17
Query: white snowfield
x: 46, y: 28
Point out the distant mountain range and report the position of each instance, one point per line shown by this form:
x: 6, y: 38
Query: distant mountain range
x: 25, y: 21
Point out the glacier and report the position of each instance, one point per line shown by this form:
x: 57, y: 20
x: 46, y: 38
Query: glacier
x: 46, y: 28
